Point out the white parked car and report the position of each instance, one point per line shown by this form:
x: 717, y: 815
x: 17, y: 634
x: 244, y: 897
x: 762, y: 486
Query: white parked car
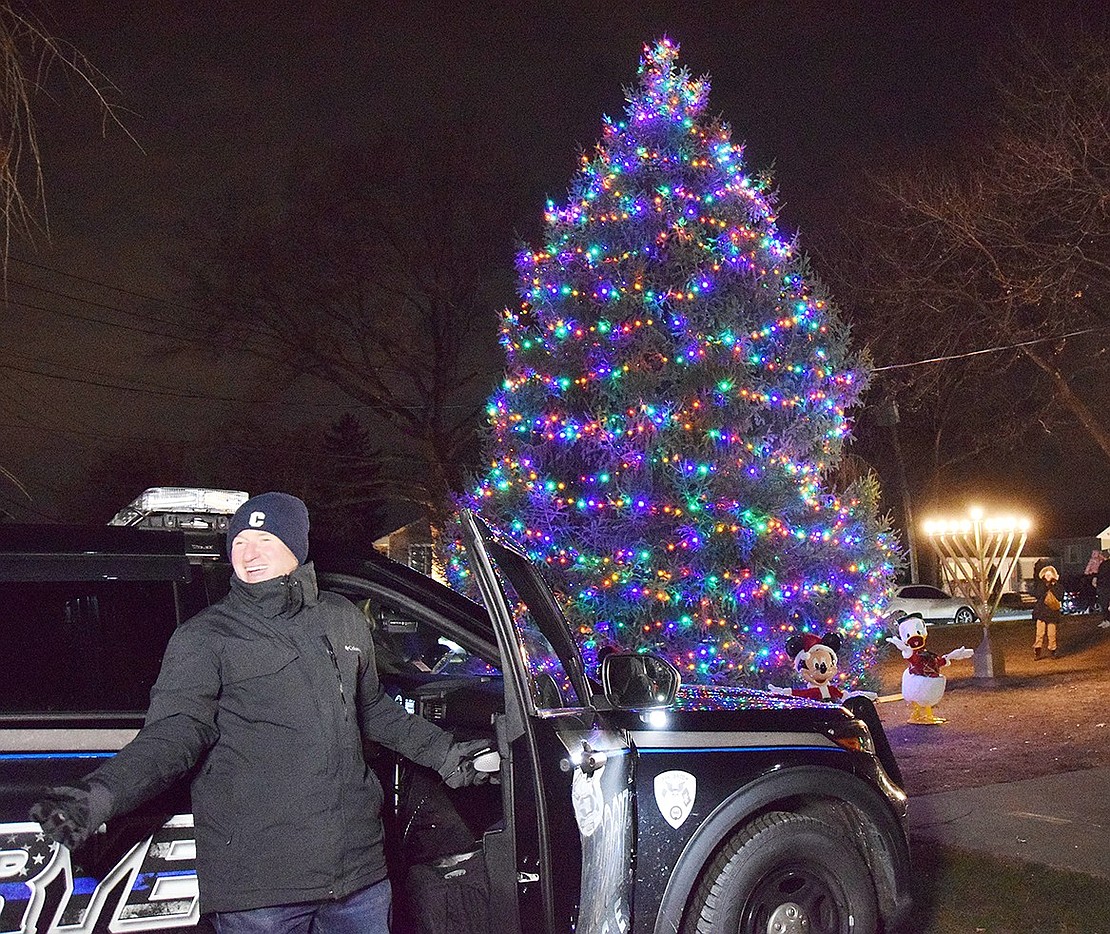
x: 932, y: 603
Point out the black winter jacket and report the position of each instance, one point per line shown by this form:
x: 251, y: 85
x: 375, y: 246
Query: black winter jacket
x: 1041, y: 608
x: 272, y: 690
x: 1102, y: 578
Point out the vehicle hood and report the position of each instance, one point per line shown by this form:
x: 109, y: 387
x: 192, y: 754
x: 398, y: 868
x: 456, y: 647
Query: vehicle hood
x: 693, y: 697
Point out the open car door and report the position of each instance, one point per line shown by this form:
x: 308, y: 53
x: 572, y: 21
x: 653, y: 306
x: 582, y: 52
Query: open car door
x: 567, y: 778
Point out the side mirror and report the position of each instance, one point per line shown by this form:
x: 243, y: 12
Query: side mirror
x: 635, y: 681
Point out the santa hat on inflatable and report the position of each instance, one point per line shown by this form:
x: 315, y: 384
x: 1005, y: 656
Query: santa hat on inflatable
x: 799, y: 646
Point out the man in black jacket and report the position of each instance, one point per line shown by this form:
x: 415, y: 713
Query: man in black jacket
x: 1102, y: 587
x: 269, y: 694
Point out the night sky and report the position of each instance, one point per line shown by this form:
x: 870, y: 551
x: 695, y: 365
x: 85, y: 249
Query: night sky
x: 227, y: 104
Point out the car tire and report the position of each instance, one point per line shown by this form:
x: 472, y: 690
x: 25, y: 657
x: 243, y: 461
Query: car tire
x: 788, y: 872
x: 965, y: 615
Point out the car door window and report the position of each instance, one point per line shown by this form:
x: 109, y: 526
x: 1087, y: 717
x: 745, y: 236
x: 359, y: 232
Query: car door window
x: 542, y: 635
x: 410, y: 637
x: 549, y: 681
x: 572, y: 770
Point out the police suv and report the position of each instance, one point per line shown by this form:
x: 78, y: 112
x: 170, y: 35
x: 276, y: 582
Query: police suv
x: 626, y: 804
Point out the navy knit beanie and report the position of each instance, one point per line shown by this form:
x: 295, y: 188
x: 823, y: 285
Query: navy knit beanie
x: 280, y: 514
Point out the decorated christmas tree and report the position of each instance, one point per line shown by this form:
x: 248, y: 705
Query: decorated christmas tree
x: 676, y: 393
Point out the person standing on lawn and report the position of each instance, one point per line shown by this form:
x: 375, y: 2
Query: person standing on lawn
x: 1102, y: 588
x: 1049, y: 594
x: 1086, y: 599
x: 265, y: 699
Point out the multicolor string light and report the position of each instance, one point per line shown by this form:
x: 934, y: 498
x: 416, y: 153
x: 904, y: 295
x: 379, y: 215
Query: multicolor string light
x: 677, y: 387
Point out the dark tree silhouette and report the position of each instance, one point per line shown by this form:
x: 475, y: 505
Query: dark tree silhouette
x: 374, y: 281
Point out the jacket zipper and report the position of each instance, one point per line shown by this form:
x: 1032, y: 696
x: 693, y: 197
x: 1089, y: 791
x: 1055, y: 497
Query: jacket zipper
x: 338, y: 673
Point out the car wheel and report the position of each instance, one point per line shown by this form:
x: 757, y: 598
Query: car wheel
x: 786, y: 872
x: 965, y: 615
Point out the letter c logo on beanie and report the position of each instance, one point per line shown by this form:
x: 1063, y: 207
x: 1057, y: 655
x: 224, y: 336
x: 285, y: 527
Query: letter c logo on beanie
x: 280, y: 514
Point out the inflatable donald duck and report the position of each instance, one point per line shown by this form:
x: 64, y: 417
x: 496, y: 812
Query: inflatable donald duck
x: 922, y: 683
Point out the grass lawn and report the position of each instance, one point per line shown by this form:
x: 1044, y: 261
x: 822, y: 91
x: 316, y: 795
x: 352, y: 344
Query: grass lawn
x: 958, y: 892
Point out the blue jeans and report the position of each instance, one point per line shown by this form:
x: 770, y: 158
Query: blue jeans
x: 366, y: 911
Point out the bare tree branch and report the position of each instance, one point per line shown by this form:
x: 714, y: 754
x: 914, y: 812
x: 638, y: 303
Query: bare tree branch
x: 28, y: 52
x: 1007, y: 244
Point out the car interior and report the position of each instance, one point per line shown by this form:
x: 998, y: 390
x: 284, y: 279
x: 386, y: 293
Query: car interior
x: 435, y: 835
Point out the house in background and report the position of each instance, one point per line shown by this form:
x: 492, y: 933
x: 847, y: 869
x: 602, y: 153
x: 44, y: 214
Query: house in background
x: 1022, y: 577
x: 1074, y: 553
x: 412, y: 545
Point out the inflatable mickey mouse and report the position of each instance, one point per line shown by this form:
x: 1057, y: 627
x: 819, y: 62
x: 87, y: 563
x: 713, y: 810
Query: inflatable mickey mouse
x: 815, y: 662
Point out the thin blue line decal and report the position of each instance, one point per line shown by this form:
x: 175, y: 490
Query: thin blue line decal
x: 23, y: 756
x: 670, y: 749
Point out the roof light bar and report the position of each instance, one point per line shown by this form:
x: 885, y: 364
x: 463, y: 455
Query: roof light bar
x: 181, y: 507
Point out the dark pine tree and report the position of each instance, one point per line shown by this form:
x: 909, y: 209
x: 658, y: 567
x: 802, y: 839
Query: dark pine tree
x: 676, y: 392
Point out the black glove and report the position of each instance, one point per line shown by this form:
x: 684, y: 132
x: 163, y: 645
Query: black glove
x: 458, y: 767
x: 70, y: 815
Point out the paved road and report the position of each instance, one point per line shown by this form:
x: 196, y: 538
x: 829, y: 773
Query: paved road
x: 1060, y: 820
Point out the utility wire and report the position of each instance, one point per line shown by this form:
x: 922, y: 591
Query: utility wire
x: 193, y: 444
x: 149, y: 390
x: 106, y: 285
x: 157, y: 390
x: 26, y: 506
x: 111, y: 324
x: 93, y: 302
x: 154, y: 389
x: 140, y: 385
x: 878, y: 369
x: 185, y: 338
x: 986, y: 350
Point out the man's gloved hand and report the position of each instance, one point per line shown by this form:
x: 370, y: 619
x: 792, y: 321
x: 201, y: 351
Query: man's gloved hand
x: 69, y: 815
x: 458, y: 767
